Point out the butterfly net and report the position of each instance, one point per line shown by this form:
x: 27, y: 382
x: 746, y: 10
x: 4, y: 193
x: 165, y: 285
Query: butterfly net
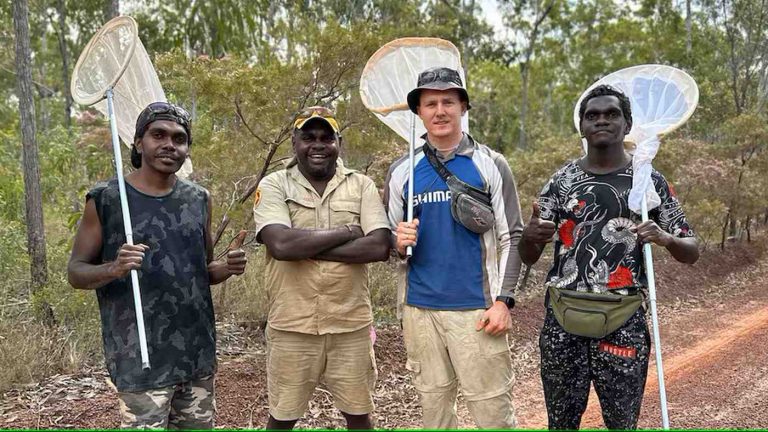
x: 115, y: 57
x: 662, y: 99
x: 392, y: 72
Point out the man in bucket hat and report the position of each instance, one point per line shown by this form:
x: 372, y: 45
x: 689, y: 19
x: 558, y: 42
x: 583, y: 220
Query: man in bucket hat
x: 173, y: 255
x: 458, y: 284
x: 321, y: 223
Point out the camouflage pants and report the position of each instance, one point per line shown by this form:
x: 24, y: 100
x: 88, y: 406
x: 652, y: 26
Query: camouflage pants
x: 617, y: 364
x: 189, y: 405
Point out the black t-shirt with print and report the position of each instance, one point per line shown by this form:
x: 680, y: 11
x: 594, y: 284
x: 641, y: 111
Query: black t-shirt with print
x: 595, y: 249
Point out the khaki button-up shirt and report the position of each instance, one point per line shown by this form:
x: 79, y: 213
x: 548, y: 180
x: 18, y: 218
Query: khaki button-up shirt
x: 315, y: 296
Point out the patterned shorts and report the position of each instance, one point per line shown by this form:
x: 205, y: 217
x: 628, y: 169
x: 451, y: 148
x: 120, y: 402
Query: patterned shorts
x: 617, y: 365
x: 189, y: 405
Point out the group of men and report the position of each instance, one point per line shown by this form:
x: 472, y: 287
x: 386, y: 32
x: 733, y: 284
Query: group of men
x: 322, y: 222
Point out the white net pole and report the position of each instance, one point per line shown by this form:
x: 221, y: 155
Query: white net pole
x: 411, y: 157
x: 655, y: 320
x: 128, y: 230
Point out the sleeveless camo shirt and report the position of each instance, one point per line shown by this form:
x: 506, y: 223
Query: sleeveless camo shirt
x: 175, y: 289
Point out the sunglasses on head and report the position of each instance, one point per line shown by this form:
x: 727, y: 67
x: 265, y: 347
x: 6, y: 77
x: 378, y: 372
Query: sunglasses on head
x: 159, y: 108
x: 441, y: 75
x: 322, y: 112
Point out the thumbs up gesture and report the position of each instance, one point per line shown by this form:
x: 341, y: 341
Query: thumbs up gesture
x: 538, y: 230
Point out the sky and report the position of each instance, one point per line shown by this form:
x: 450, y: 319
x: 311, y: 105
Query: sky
x: 491, y: 15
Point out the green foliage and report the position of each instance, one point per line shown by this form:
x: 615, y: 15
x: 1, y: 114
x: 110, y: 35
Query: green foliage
x: 235, y: 115
x: 13, y: 259
x: 533, y: 167
x: 11, y: 181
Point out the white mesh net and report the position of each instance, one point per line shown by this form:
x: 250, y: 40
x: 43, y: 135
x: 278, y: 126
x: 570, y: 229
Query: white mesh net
x: 662, y: 99
x: 116, y: 57
x: 392, y: 72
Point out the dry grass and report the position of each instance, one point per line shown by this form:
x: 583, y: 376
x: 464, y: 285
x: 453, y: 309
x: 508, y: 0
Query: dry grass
x: 29, y: 352
x: 243, y: 300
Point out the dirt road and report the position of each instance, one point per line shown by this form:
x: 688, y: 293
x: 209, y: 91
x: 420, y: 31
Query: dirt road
x: 715, y: 343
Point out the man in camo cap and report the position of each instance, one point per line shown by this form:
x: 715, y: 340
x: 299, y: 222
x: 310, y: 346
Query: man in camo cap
x: 173, y: 255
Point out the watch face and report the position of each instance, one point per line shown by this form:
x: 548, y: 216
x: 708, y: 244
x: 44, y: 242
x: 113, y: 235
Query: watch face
x: 509, y: 301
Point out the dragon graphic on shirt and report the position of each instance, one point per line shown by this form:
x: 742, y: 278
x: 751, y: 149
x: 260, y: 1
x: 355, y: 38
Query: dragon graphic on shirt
x: 596, y: 247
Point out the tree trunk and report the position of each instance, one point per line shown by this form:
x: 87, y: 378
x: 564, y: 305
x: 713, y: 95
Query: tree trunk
x: 521, y: 143
x: 289, y: 39
x: 111, y: 9
x: 688, y: 35
x: 735, y: 200
x: 45, y: 110
x: 61, y: 8
x: 725, y: 229
x: 33, y: 201
x: 525, y: 66
x: 733, y: 230
x: 747, y: 228
x: 267, y: 161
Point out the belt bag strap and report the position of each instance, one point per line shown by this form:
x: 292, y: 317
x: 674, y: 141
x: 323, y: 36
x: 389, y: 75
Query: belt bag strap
x: 444, y: 173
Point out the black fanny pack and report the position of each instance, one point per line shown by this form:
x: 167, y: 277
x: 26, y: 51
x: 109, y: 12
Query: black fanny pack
x: 470, y: 206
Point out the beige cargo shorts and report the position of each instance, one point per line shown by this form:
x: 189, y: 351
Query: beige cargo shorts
x: 297, y: 362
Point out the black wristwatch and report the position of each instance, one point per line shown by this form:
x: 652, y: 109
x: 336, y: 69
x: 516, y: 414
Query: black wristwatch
x: 509, y: 301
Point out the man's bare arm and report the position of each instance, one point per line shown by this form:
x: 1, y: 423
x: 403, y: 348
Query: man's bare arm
x: 371, y: 248
x: 82, y: 273
x: 294, y: 244
x: 685, y: 250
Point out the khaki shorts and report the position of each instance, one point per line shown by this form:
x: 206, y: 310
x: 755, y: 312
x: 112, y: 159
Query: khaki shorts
x: 189, y: 405
x: 297, y: 362
x: 446, y: 352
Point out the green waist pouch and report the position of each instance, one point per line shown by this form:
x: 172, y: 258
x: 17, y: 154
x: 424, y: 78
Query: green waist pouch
x: 591, y: 314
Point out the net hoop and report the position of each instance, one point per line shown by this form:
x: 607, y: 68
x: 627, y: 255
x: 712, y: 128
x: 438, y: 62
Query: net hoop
x: 392, y: 71
x: 114, y: 24
x: 686, y: 100
x: 390, y: 48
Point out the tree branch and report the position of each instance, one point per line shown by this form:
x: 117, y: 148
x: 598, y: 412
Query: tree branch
x: 239, y: 113
x: 267, y: 160
x: 41, y: 87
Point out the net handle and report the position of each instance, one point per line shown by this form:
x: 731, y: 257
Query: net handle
x: 389, y: 109
x: 114, y: 22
